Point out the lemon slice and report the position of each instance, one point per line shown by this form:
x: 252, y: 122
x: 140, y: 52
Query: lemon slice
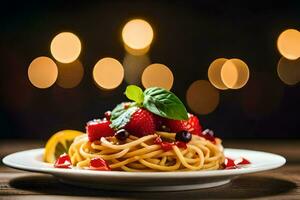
x: 59, y: 143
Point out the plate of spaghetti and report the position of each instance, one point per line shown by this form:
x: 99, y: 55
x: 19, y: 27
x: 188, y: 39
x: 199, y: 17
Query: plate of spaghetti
x: 150, y: 143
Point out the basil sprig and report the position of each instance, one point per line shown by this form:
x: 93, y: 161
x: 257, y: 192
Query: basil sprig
x: 121, y: 115
x: 156, y: 100
x: 164, y: 103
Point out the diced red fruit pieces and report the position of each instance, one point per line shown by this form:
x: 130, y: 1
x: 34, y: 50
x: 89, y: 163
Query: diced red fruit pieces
x: 229, y: 163
x: 166, y: 146
x: 191, y: 125
x: 99, y: 164
x: 209, y: 135
x: 141, y: 123
x: 233, y: 164
x: 99, y: 128
x: 63, y: 161
x: 241, y: 161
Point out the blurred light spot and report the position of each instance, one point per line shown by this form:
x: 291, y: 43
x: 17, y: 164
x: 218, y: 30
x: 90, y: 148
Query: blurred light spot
x: 214, y: 73
x: 289, y: 71
x: 157, y: 75
x: 137, y: 34
x: 136, y: 52
x: 288, y: 44
x: 65, y: 47
x: 134, y: 67
x: 235, y: 73
x: 42, y: 72
x: 202, y: 97
x: 69, y: 74
x: 262, y: 95
x: 108, y: 73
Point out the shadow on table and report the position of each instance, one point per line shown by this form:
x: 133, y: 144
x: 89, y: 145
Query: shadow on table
x: 243, y: 187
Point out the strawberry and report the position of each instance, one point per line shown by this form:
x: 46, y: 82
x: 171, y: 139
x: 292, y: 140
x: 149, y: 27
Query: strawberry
x: 141, y: 123
x: 191, y: 125
x: 98, y: 128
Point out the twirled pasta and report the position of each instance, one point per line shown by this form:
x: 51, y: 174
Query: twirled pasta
x: 142, y: 154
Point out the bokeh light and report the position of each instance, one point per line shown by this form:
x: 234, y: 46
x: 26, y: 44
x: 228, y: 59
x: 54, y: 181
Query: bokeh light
x: 235, y: 73
x: 137, y: 34
x: 136, y: 52
x: 65, y: 47
x: 289, y: 71
x: 214, y: 73
x: 108, y: 73
x: 288, y: 44
x: 134, y: 67
x: 69, y: 74
x: 42, y: 72
x: 157, y: 75
x: 202, y: 97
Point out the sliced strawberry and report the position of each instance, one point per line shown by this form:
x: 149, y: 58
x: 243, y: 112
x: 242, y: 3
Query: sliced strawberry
x: 63, y: 161
x: 241, y: 161
x: 229, y: 163
x: 99, y: 164
x: 141, y: 123
x: 99, y: 128
x: 191, y: 125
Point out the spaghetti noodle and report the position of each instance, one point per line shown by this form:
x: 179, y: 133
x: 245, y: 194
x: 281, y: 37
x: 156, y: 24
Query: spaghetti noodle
x: 142, y: 154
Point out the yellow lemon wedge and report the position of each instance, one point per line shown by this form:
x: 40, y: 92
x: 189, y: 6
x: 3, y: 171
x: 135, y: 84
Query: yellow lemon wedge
x: 59, y: 143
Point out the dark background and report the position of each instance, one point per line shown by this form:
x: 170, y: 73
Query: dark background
x: 189, y: 35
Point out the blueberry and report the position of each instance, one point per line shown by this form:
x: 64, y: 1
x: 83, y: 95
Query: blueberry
x: 183, y: 136
x: 121, y: 134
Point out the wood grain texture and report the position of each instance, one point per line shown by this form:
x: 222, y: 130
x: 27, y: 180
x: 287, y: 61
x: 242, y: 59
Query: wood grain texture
x: 282, y: 183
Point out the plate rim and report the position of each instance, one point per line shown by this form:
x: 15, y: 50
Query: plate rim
x: 187, y: 174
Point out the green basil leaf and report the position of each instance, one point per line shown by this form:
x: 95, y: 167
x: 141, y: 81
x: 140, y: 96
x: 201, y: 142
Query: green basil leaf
x: 134, y: 93
x: 120, y: 116
x: 164, y: 103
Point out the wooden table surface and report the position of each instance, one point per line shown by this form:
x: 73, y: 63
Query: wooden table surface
x: 282, y: 183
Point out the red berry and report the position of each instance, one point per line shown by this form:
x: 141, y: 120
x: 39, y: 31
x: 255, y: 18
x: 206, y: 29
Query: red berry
x: 99, y: 128
x: 191, y: 125
x: 141, y: 123
x: 63, y: 161
x: 99, y: 164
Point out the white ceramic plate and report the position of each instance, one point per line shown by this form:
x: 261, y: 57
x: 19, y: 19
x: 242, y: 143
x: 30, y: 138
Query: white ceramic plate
x: 31, y: 160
